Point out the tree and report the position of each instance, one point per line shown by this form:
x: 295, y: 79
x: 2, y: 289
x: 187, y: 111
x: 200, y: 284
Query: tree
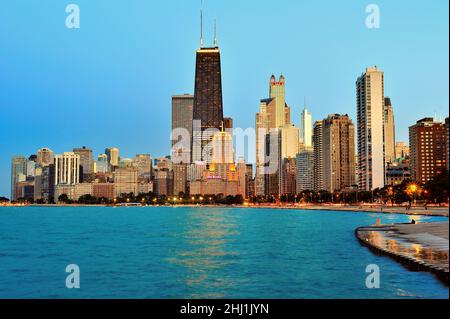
x: 63, y: 198
x: 4, y: 199
x: 437, y: 188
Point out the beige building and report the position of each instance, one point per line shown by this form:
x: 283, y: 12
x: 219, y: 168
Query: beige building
x: 401, y: 150
x: 113, y: 156
x: 125, y: 180
x: 389, y: 131
x: 289, y: 141
x: 274, y: 114
x: 45, y: 156
x: 222, y: 148
x: 220, y: 179
x: 370, y: 111
x: 338, y: 152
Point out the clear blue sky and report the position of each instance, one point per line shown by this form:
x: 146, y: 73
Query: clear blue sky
x: 110, y: 82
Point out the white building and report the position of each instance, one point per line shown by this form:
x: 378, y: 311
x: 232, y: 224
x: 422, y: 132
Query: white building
x: 305, y: 131
x: 370, y: 111
x: 67, y: 168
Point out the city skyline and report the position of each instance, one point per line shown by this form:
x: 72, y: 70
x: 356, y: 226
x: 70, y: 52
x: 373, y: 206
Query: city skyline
x: 97, y: 140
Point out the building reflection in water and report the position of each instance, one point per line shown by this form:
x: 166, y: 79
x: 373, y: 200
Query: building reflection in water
x: 387, y: 240
x: 206, y: 251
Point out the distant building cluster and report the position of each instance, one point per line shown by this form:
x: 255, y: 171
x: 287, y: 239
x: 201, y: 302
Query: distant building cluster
x: 334, y: 154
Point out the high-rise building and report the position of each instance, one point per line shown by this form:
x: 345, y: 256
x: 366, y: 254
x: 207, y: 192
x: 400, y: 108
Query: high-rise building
x: 182, y: 116
x: 222, y: 148
x: 289, y: 141
x: 318, y: 167
x: 18, y: 174
x: 208, y: 107
x: 305, y: 128
x: 273, y: 116
x: 263, y: 127
x: 126, y: 180
x: 31, y: 166
x: 338, y: 152
x: 428, y: 145
x: 143, y: 162
x: 45, y: 156
x: 289, y: 176
x: 86, y: 163
x: 401, y: 150
x: 180, y: 182
x: 112, y: 154
x: 389, y: 131
x: 227, y: 123
x: 273, y: 166
x: 277, y: 91
x: 102, y: 165
x: 305, y: 170
x: 370, y: 111
x: 67, y: 169
x: 447, y: 129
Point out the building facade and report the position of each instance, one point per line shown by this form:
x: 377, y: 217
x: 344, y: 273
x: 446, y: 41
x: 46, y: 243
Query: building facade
x: 370, y: 112
x: 338, y: 152
x: 428, y: 146
x: 389, y: 131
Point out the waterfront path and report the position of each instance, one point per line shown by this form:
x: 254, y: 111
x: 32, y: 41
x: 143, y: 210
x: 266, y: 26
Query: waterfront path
x: 420, y: 247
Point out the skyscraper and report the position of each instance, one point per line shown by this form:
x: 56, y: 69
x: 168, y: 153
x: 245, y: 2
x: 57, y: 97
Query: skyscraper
x: 428, y: 145
x: 182, y: 112
x: 370, y: 111
x: 277, y: 91
x: 338, y: 144
x: 305, y: 170
x: 289, y: 141
x: 305, y: 130
x: 222, y: 148
x: 389, y: 131
x: 273, y: 116
x: 318, y: 173
x: 113, y: 156
x: 18, y: 174
x: 208, y: 107
x: 67, y: 169
x: 45, y: 156
x: 86, y: 163
x: 143, y: 162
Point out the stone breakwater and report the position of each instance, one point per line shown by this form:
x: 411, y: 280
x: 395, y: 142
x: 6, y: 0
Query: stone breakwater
x: 420, y: 247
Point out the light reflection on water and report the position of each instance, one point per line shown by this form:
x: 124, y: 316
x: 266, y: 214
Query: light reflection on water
x: 207, y: 241
x: 387, y: 240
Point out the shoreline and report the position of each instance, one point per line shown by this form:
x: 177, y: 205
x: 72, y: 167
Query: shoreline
x: 415, y: 210
x: 418, y: 247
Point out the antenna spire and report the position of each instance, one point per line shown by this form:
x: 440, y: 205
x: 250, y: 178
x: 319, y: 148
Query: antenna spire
x: 201, y: 25
x: 215, y: 33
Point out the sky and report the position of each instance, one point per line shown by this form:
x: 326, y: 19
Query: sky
x: 110, y: 82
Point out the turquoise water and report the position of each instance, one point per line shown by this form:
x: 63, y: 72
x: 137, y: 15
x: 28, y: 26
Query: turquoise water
x: 166, y: 252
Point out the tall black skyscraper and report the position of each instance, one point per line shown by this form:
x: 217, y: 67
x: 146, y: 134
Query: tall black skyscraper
x: 208, y: 106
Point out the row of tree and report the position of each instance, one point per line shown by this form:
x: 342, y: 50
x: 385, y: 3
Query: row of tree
x: 436, y: 191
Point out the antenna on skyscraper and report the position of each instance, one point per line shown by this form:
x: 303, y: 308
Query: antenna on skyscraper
x: 215, y: 33
x: 201, y: 25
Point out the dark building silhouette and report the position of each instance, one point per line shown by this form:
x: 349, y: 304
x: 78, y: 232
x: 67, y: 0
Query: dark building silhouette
x: 208, y: 107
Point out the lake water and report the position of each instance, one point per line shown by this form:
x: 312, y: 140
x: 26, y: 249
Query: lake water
x: 181, y: 252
